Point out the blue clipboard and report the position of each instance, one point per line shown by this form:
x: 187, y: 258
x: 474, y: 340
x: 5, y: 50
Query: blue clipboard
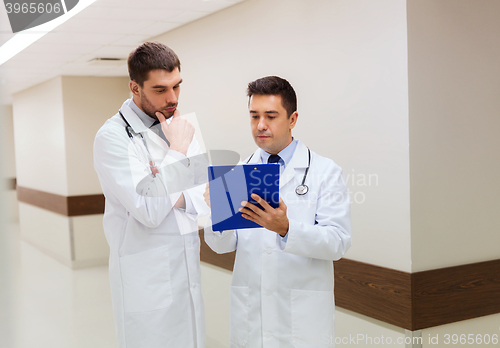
x: 230, y: 185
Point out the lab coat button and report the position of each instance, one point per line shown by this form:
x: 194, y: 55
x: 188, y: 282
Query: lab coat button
x: 269, y: 251
x: 267, y: 335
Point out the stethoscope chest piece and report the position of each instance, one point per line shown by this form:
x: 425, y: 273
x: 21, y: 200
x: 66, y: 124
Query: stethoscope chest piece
x: 301, y: 190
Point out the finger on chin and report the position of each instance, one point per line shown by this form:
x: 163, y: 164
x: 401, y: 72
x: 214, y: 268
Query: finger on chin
x: 160, y: 116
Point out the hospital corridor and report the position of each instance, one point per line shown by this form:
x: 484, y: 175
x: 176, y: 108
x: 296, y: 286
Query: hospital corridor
x: 378, y: 121
x: 50, y: 305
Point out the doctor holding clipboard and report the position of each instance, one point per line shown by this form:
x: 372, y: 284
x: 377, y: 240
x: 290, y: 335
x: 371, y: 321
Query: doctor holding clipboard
x: 282, y: 291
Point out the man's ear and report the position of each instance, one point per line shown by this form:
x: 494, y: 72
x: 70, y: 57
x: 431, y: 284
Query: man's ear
x: 134, y: 87
x: 293, y: 119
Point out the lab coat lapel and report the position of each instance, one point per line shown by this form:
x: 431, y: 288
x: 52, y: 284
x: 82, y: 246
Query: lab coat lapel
x: 255, y: 159
x: 133, y: 120
x: 297, y: 164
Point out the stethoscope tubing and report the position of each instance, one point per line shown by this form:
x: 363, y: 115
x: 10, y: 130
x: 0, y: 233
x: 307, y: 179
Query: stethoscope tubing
x: 130, y: 135
x: 302, y: 189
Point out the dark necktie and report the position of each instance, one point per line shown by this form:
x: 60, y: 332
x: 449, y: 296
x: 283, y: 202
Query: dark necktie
x: 157, y: 129
x: 273, y: 159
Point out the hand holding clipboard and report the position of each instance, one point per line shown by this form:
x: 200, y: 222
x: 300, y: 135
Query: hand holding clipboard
x: 231, y: 185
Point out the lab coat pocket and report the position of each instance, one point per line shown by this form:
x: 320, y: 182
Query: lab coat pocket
x: 312, y: 318
x: 146, y: 280
x: 239, y: 316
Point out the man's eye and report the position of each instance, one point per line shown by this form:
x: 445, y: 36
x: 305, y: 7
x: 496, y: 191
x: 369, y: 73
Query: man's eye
x: 175, y: 87
x: 271, y: 117
x: 160, y: 91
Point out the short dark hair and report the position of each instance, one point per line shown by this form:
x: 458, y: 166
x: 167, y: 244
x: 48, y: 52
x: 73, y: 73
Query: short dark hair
x: 274, y: 85
x: 151, y: 56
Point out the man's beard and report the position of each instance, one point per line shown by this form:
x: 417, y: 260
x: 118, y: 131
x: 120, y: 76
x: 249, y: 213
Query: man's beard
x: 150, y: 110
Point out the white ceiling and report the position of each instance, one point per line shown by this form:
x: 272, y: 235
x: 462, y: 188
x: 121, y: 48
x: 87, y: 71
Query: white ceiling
x: 107, y: 28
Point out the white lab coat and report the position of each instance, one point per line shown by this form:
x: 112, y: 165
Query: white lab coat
x: 282, y: 292
x: 154, y: 263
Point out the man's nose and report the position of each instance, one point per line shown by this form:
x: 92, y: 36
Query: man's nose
x: 262, y: 124
x: 171, y: 97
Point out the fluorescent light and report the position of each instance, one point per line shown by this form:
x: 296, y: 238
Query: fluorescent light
x: 26, y: 37
x: 16, y: 44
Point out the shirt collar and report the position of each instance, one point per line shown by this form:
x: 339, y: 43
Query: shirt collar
x: 145, y: 118
x: 286, y: 154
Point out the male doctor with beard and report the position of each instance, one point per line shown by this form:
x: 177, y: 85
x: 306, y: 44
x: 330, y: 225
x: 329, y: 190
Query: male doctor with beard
x: 282, y: 285
x: 152, y: 205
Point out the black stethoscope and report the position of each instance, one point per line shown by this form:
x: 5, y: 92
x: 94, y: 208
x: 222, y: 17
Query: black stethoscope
x: 131, y: 136
x: 127, y: 127
x: 302, y: 189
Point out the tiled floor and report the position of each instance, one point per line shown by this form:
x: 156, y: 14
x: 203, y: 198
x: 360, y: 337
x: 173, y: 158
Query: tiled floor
x: 45, y: 304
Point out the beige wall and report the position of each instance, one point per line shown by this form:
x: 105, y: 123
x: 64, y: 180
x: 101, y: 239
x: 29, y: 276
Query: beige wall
x: 347, y: 62
x: 453, y: 55
x: 88, y: 103
x: 7, y: 276
x: 474, y: 331
x: 40, y: 139
x: 7, y: 143
x: 48, y: 231
x: 215, y: 286
x: 8, y: 168
x: 60, y: 148
x: 353, y: 329
x: 454, y: 71
x: 55, y: 125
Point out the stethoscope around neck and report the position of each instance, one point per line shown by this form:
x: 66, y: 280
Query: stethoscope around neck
x: 302, y: 189
x: 131, y: 136
x: 128, y: 127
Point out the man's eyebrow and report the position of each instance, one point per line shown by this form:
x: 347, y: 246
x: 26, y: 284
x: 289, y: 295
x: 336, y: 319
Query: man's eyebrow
x: 161, y: 86
x: 266, y: 112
